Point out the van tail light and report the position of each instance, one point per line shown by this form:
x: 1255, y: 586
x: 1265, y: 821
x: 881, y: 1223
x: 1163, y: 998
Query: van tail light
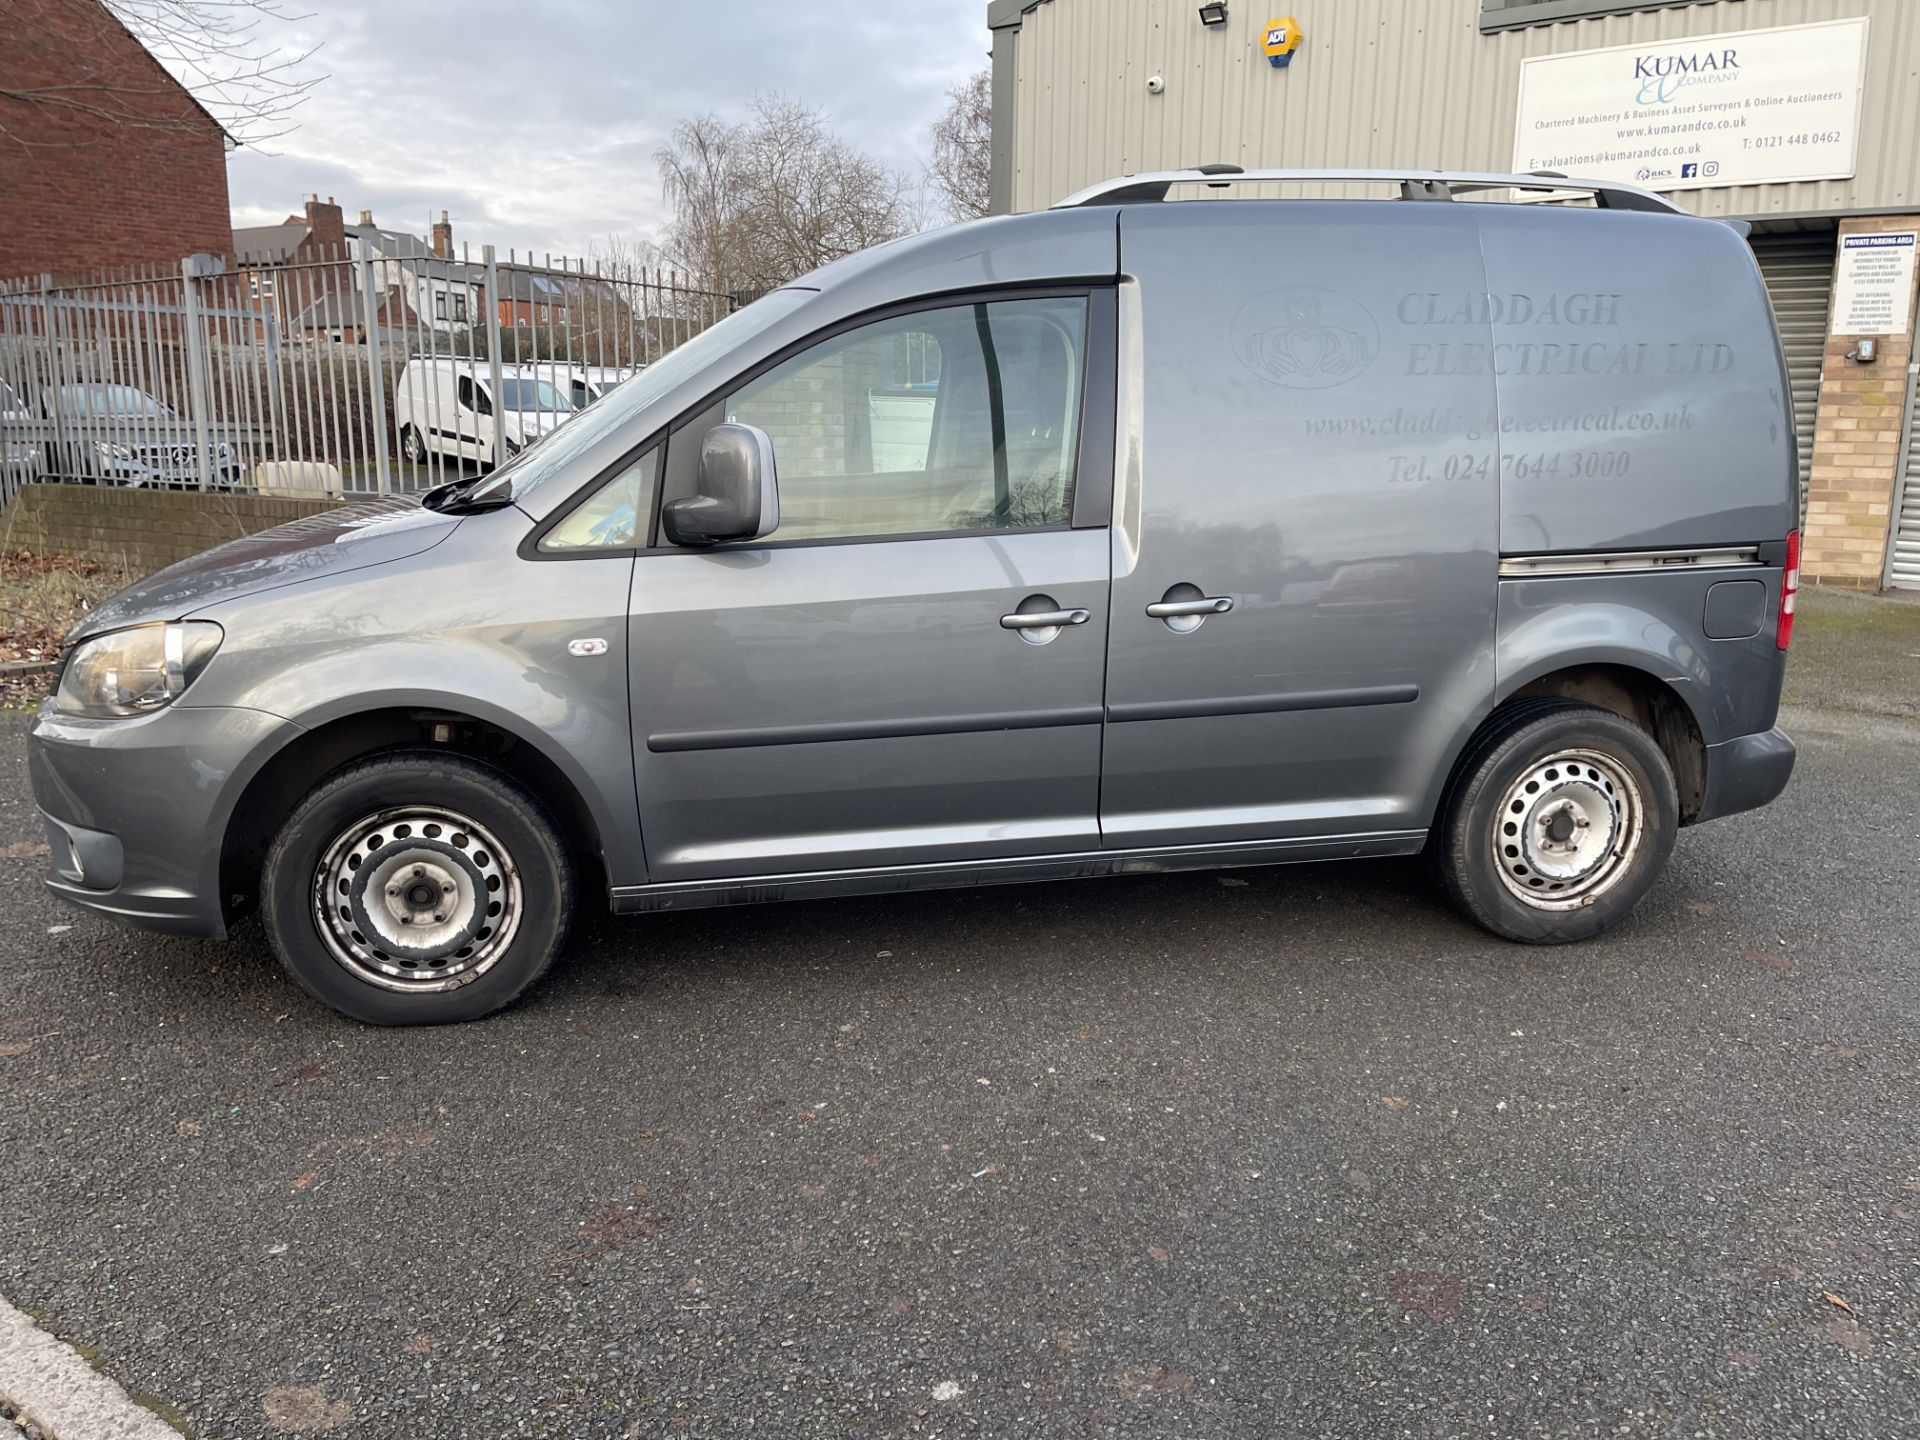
x: 1789, y: 592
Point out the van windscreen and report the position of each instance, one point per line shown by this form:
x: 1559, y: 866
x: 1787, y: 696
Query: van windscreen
x: 531, y: 395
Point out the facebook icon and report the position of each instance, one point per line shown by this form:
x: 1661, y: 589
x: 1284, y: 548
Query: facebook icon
x: 1689, y: 170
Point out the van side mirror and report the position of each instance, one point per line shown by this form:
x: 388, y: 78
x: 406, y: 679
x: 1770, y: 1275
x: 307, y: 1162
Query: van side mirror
x: 738, y: 497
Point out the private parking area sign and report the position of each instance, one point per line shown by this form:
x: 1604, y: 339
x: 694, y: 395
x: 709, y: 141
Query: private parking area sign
x: 1873, y: 283
x: 1745, y: 108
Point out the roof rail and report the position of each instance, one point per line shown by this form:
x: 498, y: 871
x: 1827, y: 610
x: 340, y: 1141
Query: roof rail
x: 1414, y: 185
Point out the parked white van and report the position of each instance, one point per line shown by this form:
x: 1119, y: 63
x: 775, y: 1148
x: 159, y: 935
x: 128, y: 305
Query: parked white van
x: 590, y: 382
x: 444, y: 405
x: 583, y: 384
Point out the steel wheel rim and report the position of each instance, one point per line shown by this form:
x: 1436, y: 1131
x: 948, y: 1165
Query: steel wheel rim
x: 1567, y: 830
x: 417, y: 899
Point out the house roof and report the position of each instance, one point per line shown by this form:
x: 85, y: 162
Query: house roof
x: 433, y: 265
x: 342, y: 310
x: 257, y: 244
x: 539, y: 286
x: 549, y: 287
x: 335, y: 308
x: 388, y: 244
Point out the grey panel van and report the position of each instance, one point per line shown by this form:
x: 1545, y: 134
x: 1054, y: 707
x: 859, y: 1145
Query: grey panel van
x: 1137, y: 535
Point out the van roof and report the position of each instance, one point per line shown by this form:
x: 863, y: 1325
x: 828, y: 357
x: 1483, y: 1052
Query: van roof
x: 481, y: 366
x: 1154, y: 186
x: 1077, y: 238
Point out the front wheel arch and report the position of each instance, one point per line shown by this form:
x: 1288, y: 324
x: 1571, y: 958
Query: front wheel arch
x: 417, y: 887
x: 279, y: 785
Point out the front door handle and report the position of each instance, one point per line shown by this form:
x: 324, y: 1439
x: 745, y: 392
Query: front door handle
x: 1044, y: 619
x: 1205, y: 605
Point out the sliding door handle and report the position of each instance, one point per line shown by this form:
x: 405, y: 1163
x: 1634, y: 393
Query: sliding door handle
x: 1044, y: 619
x: 1205, y: 605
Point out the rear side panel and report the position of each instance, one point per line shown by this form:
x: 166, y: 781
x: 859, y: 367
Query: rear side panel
x: 1294, y: 462
x: 1642, y: 396
x: 1643, y: 407
x: 1656, y: 624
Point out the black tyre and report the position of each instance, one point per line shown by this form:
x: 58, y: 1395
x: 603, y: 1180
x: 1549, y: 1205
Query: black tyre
x: 412, y: 445
x: 417, y: 888
x: 1560, y: 817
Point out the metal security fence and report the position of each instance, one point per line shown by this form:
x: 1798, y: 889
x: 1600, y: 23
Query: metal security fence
x: 333, y: 373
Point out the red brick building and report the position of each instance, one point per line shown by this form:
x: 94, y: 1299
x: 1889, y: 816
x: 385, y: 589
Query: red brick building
x: 105, y: 159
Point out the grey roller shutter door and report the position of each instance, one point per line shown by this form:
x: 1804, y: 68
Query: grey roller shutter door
x: 1903, y: 554
x: 1798, y: 270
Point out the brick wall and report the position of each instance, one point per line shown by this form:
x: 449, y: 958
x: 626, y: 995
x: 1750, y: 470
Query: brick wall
x: 1856, y: 443
x: 113, y: 163
x: 140, y: 530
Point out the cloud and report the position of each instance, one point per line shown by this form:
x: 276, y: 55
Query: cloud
x: 535, y: 127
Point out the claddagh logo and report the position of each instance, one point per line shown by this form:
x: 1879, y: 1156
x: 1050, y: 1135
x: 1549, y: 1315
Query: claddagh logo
x: 1305, y: 338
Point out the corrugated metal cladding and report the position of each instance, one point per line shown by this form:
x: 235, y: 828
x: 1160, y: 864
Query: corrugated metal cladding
x: 1384, y: 83
x: 1799, y: 273
x: 1903, y: 556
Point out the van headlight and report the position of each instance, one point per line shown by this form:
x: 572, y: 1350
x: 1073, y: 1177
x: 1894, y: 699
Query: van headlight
x: 134, y: 671
x: 109, y: 450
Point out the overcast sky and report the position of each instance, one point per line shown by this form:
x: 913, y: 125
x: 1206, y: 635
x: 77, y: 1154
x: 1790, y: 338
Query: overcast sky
x: 535, y: 124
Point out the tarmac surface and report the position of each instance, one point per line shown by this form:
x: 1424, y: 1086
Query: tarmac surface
x: 1269, y: 1152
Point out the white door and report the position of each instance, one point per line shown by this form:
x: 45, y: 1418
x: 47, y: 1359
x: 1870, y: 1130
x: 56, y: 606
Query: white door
x: 473, y: 420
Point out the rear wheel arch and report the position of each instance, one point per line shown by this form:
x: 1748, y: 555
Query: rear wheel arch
x: 278, y: 785
x: 1559, y: 818
x: 1659, y: 707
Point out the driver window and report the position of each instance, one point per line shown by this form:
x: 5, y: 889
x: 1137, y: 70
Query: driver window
x: 959, y: 418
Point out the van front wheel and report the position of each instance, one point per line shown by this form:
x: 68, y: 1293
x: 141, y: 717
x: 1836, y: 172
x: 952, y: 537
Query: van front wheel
x: 417, y: 889
x: 1560, y: 818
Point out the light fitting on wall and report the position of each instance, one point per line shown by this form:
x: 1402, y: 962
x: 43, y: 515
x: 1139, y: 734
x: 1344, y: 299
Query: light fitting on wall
x: 1214, y: 13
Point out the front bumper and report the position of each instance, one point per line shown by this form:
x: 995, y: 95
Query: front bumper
x: 1745, y: 773
x: 136, y: 809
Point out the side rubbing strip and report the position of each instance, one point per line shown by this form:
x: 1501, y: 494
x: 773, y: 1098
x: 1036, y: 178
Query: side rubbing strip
x: 672, y: 740
x: 1516, y: 567
x: 1265, y: 704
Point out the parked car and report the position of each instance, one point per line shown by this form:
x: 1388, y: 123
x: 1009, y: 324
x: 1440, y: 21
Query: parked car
x: 445, y: 406
x: 120, y: 435
x: 22, y: 456
x: 1223, y: 534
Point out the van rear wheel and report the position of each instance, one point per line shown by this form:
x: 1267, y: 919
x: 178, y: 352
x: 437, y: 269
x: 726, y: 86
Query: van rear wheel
x: 412, y: 445
x: 417, y: 889
x: 1559, y: 820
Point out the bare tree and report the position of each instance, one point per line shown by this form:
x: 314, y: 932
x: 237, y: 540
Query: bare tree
x: 698, y: 171
x: 759, y: 202
x: 641, y: 304
x: 963, y: 148
x: 626, y: 257
x: 221, y: 51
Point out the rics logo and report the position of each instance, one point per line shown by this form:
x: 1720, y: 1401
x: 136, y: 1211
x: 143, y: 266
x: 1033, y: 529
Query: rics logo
x: 1305, y: 338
